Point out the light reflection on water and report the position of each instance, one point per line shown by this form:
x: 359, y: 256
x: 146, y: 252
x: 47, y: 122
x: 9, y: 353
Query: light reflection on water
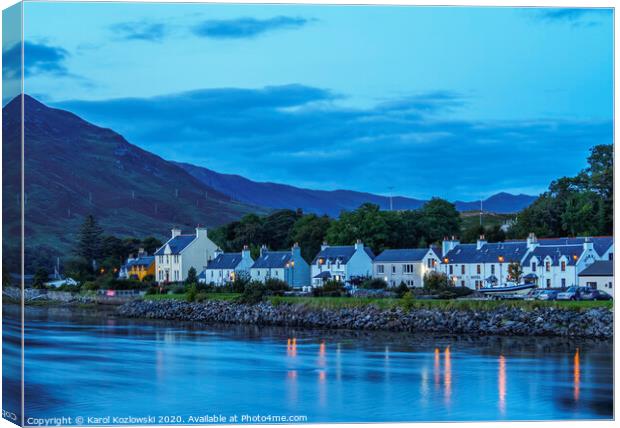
x: 80, y: 364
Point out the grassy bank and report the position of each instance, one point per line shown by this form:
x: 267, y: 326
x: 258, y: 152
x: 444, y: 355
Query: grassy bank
x: 352, y: 302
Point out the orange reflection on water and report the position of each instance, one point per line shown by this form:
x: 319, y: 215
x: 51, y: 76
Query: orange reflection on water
x: 501, y: 384
x: 291, y: 347
x: 447, y: 380
x: 436, y: 368
x: 576, y: 375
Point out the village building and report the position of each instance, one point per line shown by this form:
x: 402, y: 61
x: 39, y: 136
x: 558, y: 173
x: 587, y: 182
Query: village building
x: 341, y: 263
x: 406, y: 266
x: 180, y: 253
x: 288, y: 266
x: 599, y: 275
x: 225, y: 267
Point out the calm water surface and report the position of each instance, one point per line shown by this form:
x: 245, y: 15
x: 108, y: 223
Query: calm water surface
x: 84, y: 364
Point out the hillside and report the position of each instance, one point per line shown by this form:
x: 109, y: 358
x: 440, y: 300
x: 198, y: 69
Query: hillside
x: 74, y: 168
x: 276, y: 195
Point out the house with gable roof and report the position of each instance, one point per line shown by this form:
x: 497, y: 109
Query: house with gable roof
x: 288, y: 266
x: 225, y: 267
x: 408, y: 265
x: 341, y: 263
x: 180, y: 253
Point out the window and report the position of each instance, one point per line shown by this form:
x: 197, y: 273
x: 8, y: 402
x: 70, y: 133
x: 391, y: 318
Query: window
x: 429, y: 263
x: 492, y: 269
x: 451, y: 272
x: 611, y: 256
x: 478, y: 269
x: 462, y: 269
x: 462, y: 283
x: 548, y: 283
x: 533, y: 266
x: 408, y: 268
x: 211, y: 274
x: 393, y: 268
x: 380, y: 268
x: 563, y: 282
x: 338, y: 264
x: 547, y: 266
x: 563, y: 266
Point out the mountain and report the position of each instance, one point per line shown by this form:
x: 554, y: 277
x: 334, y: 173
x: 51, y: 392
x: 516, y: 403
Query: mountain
x: 276, y: 195
x: 74, y: 168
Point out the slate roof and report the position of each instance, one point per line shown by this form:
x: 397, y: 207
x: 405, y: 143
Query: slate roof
x: 555, y: 252
x: 344, y: 253
x: 600, y: 243
x: 402, y: 255
x: 141, y: 261
x: 225, y: 261
x: 177, y: 244
x: 599, y: 268
x: 324, y: 275
x: 488, y: 253
x: 272, y: 260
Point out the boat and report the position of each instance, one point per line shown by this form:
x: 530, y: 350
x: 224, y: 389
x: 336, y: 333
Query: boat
x: 520, y: 289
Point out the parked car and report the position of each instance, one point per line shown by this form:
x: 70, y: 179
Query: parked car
x: 547, y: 295
x: 594, y: 294
x: 533, y: 294
x: 573, y: 293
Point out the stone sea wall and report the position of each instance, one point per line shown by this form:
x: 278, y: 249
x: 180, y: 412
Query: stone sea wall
x: 591, y: 323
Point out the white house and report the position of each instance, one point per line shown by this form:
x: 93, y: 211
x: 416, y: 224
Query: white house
x: 406, y: 266
x: 599, y: 275
x: 288, y: 266
x: 226, y: 266
x: 341, y: 263
x: 480, y: 264
x: 550, y: 262
x: 181, y: 253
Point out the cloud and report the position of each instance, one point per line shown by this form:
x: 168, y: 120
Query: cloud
x: 39, y: 58
x: 573, y: 16
x: 242, y: 28
x: 300, y: 135
x: 143, y: 30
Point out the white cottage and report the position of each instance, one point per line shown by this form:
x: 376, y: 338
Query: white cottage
x: 288, y: 266
x: 225, y: 267
x: 408, y: 265
x: 341, y: 263
x: 181, y: 253
x: 599, y: 275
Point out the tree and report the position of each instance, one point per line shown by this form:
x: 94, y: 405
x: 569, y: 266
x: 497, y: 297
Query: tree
x: 309, y: 231
x: 367, y: 223
x: 192, y: 278
x: 438, y: 219
x: 89, y: 243
x: 436, y: 281
x: 515, y: 272
x: 41, y: 276
x: 151, y: 244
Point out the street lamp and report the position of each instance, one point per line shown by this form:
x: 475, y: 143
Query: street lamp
x: 500, y: 259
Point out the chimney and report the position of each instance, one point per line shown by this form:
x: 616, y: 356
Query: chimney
x: 588, y: 245
x: 263, y: 249
x: 141, y: 252
x: 296, y: 250
x: 175, y: 231
x: 217, y: 252
x: 201, y: 232
x: 532, y: 241
x: 480, y: 242
x: 245, y: 253
x: 359, y: 245
x: 447, y: 245
x: 324, y: 245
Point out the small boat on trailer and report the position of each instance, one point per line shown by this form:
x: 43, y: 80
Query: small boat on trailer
x: 508, y: 290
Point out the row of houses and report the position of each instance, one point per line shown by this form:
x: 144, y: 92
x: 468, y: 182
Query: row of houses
x: 555, y: 262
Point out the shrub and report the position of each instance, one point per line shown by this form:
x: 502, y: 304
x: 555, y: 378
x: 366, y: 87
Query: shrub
x: 331, y: 288
x: 401, y: 290
x: 254, y: 293
x: 191, y: 293
x: 90, y: 286
x: 152, y: 290
x: 178, y: 289
x: 408, y: 300
x: 436, y: 281
x: 202, y: 297
x: 374, y: 284
x: 242, y: 279
x: 192, y: 277
x: 276, y: 286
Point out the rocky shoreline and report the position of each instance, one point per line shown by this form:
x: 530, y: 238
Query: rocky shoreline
x: 592, y: 323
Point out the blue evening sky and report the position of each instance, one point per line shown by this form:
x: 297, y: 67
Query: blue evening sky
x: 454, y: 102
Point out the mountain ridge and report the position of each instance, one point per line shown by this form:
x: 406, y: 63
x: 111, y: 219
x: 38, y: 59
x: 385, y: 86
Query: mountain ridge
x: 332, y: 202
